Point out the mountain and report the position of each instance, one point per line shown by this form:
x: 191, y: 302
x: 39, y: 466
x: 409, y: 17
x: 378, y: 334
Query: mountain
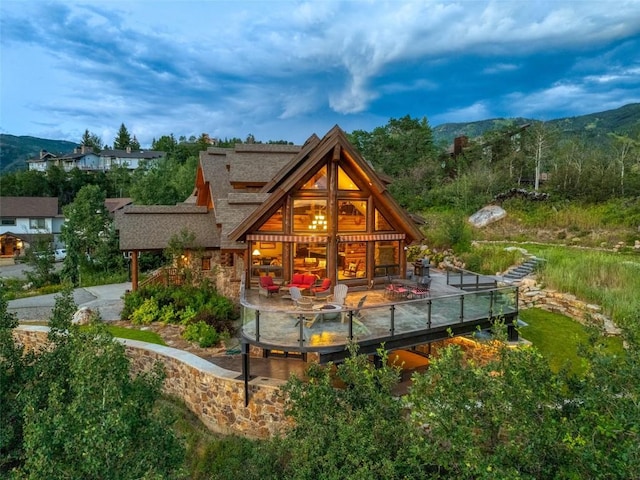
x: 592, y: 127
x: 15, y: 151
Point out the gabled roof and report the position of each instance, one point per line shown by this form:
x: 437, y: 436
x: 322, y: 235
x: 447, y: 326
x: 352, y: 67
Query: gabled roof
x: 313, y: 153
x: 31, y: 207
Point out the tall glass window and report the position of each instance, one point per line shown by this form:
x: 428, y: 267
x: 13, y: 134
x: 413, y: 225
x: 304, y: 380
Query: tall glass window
x: 352, y: 216
x: 310, y: 216
x: 318, y: 181
x: 274, y: 223
x: 387, y: 258
x: 352, y: 260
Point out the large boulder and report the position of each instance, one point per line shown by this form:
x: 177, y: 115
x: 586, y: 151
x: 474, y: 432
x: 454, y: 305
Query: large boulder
x: 487, y: 215
x: 82, y: 316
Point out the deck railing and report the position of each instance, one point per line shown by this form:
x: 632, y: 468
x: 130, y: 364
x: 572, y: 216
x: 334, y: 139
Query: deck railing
x: 314, y: 330
x: 467, y: 280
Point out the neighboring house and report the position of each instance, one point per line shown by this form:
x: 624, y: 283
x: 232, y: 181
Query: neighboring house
x: 264, y: 209
x: 85, y: 159
x: 23, y: 219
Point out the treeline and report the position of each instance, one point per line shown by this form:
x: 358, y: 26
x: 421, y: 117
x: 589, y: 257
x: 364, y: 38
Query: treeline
x: 534, y: 156
x: 424, y: 175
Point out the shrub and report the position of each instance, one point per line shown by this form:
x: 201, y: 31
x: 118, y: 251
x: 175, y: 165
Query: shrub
x: 205, y: 335
x: 146, y: 313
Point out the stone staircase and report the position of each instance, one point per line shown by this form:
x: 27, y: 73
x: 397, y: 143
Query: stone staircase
x: 517, y: 273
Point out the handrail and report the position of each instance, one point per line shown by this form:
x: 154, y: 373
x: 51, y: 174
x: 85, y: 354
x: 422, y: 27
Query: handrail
x: 461, y: 273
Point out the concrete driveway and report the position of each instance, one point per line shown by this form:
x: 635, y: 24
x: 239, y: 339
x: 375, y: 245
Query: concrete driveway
x: 104, y: 299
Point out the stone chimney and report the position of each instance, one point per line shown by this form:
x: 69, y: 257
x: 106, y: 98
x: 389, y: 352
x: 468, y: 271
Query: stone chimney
x: 128, y: 148
x: 43, y: 153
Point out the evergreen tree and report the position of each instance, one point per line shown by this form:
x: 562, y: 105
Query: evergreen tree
x: 123, y: 139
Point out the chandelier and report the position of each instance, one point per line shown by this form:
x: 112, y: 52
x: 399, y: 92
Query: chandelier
x: 319, y: 222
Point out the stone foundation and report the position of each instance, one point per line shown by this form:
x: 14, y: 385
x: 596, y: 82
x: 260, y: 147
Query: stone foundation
x: 212, y: 393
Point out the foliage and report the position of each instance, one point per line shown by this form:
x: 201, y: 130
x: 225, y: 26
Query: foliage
x: 77, y: 411
x: 205, y: 335
x: 489, y: 259
x: 122, y: 139
x: 356, y: 431
x: 181, y: 304
x: 90, y: 237
x: 39, y: 256
x: 91, y: 140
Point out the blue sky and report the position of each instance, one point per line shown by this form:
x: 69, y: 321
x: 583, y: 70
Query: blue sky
x: 287, y: 69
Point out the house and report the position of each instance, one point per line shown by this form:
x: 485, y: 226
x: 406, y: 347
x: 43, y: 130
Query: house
x: 23, y: 219
x: 280, y: 210
x: 84, y: 158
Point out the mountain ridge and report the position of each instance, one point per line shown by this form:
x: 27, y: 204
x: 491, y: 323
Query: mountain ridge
x: 592, y: 127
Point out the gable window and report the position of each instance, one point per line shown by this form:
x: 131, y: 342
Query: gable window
x: 318, y: 181
x: 37, y: 223
x: 274, y: 223
x: 8, y: 221
x: 345, y: 182
x: 381, y: 223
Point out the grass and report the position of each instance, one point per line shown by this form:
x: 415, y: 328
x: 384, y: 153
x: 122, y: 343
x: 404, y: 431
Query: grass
x: 559, y: 337
x: 608, y: 279
x: 135, y: 334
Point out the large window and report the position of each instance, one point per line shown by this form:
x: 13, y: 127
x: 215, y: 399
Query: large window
x: 8, y: 221
x: 352, y: 216
x: 352, y: 260
x: 345, y: 182
x: 310, y: 258
x: 266, y: 259
x: 381, y: 223
x: 387, y: 258
x: 310, y: 216
x: 318, y: 181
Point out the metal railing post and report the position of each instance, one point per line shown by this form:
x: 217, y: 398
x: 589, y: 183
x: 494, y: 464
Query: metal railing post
x: 393, y: 320
x: 461, y: 308
x: 429, y: 314
x: 257, y: 325
x: 350, y: 325
x: 492, y: 293
x: 301, y: 321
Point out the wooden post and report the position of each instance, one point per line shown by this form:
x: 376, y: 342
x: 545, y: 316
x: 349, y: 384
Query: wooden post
x: 134, y: 270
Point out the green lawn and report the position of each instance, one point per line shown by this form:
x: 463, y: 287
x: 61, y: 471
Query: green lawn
x: 557, y: 337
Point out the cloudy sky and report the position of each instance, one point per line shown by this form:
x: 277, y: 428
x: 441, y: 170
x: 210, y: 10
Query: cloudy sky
x: 287, y: 69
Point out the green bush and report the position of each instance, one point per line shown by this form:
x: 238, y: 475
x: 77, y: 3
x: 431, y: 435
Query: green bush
x: 147, y: 312
x: 205, y: 335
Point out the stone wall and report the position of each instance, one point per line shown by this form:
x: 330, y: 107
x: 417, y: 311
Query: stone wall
x: 212, y: 393
x: 531, y: 295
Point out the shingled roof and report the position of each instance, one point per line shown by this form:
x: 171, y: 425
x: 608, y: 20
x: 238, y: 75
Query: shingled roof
x: 151, y: 227
x: 29, y: 207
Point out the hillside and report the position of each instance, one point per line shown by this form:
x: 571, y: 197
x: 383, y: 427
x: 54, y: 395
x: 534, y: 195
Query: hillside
x: 14, y: 151
x: 591, y: 127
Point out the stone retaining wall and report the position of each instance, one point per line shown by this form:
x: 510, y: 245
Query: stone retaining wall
x: 212, y: 393
x: 531, y: 295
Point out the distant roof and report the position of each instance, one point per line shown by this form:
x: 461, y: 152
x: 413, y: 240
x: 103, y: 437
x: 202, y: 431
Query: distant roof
x: 114, y: 204
x: 32, y: 207
x: 144, y: 154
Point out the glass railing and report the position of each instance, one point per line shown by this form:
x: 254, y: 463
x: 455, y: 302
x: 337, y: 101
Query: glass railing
x: 315, y: 328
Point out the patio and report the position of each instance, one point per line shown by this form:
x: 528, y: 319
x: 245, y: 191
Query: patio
x: 276, y: 324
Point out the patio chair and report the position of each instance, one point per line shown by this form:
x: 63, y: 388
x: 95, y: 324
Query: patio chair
x: 300, y: 301
x: 266, y: 287
x: 339, y: 294
x: 324, y: 290
x: 357, y: 316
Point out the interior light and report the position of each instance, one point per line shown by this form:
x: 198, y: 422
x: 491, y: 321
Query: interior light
x: 256, y: 253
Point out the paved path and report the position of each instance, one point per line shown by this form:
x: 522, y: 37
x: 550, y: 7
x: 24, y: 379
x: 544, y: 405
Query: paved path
x: 104, y: 299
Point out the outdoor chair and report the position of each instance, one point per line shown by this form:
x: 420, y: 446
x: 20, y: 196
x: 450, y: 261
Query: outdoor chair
x: 266, y: 287
x: 357, y: 317
x: 339, y: 294
x: 323, y: 290
x: 301, y: 302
